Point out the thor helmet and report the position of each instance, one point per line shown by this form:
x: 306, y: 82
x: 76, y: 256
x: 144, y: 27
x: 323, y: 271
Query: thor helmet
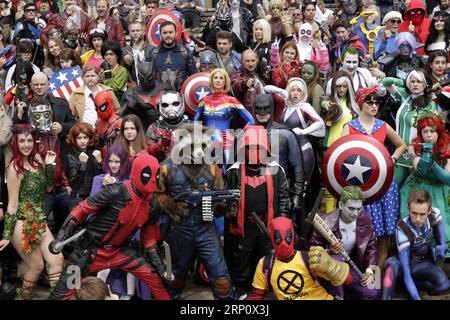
x: 41, y: 117
x: 171, y: 105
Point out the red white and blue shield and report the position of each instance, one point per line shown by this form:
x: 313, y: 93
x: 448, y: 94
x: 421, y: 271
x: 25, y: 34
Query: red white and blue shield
x: 361, y: 161
x: 152, y: 34
x: 194, y: 89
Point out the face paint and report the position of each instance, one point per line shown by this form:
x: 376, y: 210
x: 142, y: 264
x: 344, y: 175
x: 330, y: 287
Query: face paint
x: 308, y: 73
x: 350, y: 63
x: 350, y: 210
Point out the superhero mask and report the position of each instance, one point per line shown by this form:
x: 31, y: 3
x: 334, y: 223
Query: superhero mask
x: 350, y: 210
x: 104, y: 105
x: 264, y: 106
x: 145, y: 75
x: 282, y: 236
x: 41, y: 117
x: 56, y: 33
x: 306, y: 34
x: 144, y: 174
x: 255, y: 145
x: 223, y: 16
x: 416, y: 16
x: 405, y: 49
x: 171, y: 106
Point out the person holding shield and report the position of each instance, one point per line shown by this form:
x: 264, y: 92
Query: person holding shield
x: 384, y: 212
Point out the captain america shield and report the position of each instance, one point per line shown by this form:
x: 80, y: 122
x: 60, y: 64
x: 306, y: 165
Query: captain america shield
x: 194, y: 89
x: 361, y: 161
x: 152, y: 34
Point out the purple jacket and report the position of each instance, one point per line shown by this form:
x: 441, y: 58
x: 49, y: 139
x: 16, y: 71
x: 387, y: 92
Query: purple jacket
x: 366, y: 241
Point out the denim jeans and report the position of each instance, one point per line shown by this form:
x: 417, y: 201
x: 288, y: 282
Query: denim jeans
x: 59, y: 203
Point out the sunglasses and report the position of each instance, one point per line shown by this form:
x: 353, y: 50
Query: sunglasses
x: 296, y: 14
x: 396, y: 21
x: 30, y: 10
x: 372, y: 102
x: 96, y: 30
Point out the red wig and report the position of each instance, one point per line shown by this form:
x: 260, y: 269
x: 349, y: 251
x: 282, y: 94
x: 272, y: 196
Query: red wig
x: 17, y: 157
x: 85, y: 128
x: 441, y: 150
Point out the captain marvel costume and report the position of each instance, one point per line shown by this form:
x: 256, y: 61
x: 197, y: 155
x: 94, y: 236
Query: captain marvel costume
x: 118, y: 211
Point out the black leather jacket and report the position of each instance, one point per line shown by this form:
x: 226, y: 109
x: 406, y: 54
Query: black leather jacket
x: 281, y: 202
x: 80, y: 175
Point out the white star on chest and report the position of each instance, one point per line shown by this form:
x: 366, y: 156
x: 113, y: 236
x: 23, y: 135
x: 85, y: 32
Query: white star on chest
x: 62, y: 77
x: 202, y: 93
x: 356, y: 170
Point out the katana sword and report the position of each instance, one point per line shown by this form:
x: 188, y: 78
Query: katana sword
x: 168, y: 273
x: 57, y: 248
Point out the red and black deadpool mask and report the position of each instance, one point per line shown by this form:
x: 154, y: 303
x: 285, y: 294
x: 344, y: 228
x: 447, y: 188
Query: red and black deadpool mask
x: 144, y: 174
x: 416, y: 16
x: 282, y: 236
x: 104, y: 104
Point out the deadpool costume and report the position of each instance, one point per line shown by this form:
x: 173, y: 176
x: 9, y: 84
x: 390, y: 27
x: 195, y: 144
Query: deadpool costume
x: 264, y: 191
x: 159, y: 134
x: 119, y: 210
x: 292, y: 274
x: 143, y: 99
x: 108, y: 123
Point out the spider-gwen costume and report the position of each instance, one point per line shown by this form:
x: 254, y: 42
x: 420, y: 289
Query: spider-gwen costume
x: 414, y: 258
x: 217, y: 111
x: 119, y: 210
x: 108, y: 123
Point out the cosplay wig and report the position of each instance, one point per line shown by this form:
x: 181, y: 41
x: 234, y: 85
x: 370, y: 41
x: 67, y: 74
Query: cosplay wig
x: 441, y: 149
x: 85, y: 128
x: 125, y: 167
x: 17, y: 157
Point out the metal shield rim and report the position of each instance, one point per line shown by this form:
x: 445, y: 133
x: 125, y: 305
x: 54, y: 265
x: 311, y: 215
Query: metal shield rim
x: 152, y: 22
x: 355, y: 139
x: 186, y: 87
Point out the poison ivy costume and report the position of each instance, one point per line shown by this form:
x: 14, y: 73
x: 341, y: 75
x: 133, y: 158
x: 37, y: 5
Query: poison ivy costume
x: 30, y: 208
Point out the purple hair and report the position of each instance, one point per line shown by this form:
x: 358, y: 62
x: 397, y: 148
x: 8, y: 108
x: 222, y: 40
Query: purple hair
x: 125, y: 167
x: 409, y: 38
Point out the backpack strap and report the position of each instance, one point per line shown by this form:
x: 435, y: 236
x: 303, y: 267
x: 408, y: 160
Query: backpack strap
x: 267, y: 269
x: 409, y: 234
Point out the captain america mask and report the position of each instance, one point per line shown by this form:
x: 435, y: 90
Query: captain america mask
x: 282, y: 237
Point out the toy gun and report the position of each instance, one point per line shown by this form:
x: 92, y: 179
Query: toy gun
x: 326, y: 232
x: 207, y: 199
